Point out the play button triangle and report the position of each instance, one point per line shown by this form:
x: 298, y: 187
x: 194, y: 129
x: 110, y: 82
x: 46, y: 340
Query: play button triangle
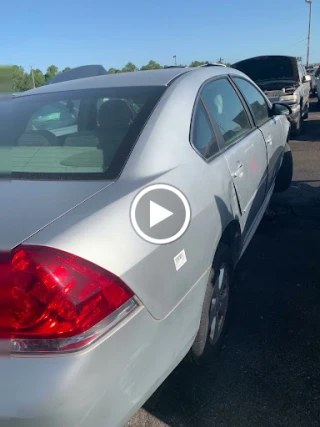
x: 158, y: 213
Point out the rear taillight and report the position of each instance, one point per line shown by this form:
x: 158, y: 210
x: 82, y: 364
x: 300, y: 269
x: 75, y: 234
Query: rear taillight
x: 52, y: 301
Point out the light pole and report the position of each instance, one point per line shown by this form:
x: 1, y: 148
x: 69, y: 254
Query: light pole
x: 309, y: 33
x: 175, y: 60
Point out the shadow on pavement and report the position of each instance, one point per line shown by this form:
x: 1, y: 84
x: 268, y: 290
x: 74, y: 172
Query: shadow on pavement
x: 268, y: 373
x: 311, y: 127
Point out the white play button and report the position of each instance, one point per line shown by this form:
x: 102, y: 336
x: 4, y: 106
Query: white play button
x: 158, y: 213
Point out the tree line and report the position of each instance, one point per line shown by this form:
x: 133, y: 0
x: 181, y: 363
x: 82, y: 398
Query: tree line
x: 24, y: 80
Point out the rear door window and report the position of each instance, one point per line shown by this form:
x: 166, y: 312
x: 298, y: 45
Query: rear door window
x: 204, y: 139
x: 227, y: 110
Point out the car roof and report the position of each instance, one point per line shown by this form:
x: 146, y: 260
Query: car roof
x: 161, y: 77
x: 137, y: 78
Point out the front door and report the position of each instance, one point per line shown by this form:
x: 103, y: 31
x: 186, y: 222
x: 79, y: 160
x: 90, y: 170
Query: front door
x: 274, y: 135
x: 270, y: 127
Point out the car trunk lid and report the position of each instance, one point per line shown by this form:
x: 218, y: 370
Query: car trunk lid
x: 29, y: 206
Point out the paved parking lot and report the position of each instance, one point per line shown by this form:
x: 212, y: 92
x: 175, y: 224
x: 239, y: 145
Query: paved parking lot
x: 268, y: 373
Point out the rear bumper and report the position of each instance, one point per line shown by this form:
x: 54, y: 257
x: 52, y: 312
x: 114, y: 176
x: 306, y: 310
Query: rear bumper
x: 106, y: 385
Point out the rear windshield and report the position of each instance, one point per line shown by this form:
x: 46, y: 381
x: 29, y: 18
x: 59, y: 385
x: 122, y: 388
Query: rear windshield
x: 85, y: 134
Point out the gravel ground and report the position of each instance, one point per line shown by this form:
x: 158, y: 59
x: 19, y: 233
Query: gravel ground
x: 268, y: 373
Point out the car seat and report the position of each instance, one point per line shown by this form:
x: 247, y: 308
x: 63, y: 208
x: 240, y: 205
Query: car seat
x: 37, y: 138
x: 114, y: 119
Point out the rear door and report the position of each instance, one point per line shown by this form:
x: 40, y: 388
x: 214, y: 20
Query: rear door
x: 271, y: 127
x: 243, y: 147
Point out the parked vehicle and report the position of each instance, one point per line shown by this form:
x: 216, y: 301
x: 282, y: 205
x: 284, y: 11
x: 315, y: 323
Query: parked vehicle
x: 317, y: 79
x: 311, y: 70
x: 84, y: 71
x: 213, y: 64
x: 95, y: 314
x: 282, y: 79
x: 313, y: 84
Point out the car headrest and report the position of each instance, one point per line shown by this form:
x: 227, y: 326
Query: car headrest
x: 115, y: 113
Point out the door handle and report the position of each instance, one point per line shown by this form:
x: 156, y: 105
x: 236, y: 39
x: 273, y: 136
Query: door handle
x: 239, y: 171
x: 269, y: 140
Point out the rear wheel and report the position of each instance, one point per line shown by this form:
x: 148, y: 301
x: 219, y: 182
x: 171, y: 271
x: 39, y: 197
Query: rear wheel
x: 215, y: 310
x: 284, y: 177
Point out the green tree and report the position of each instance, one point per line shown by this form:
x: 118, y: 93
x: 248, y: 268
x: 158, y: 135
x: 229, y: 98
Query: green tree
x: 18, y: 78
x: 152, y: 65
x: 114, y: 71
x: 28, y: 82
x: 21, y: 80
x: 52, y: 71
x: 129, y: 68
x: 39, y: 79
x: 66, y: 69
x: 5, y: 79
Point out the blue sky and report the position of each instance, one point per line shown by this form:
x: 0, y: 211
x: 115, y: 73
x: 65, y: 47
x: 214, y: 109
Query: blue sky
x: 111, y: 33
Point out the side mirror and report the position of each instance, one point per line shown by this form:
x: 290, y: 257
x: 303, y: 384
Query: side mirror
x: 306, y: 79
x: 279, y: 109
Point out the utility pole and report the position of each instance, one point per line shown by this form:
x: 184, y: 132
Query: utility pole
x: 175, y: 60
x: 309, y: 32
x: 34, y: 85
x: 220, y: 61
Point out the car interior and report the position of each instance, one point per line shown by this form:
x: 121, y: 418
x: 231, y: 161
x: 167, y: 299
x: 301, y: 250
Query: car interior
x: 87, y: 137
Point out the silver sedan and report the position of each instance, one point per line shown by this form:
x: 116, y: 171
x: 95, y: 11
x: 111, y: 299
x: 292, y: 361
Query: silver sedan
x: 130, y: 201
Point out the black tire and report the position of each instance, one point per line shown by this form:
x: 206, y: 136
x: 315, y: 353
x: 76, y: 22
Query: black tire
x: 284, y: 177
x: 205, y: 346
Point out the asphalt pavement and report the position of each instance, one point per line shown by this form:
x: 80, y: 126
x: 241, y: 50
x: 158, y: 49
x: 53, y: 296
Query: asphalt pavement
x: 268, y: 372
